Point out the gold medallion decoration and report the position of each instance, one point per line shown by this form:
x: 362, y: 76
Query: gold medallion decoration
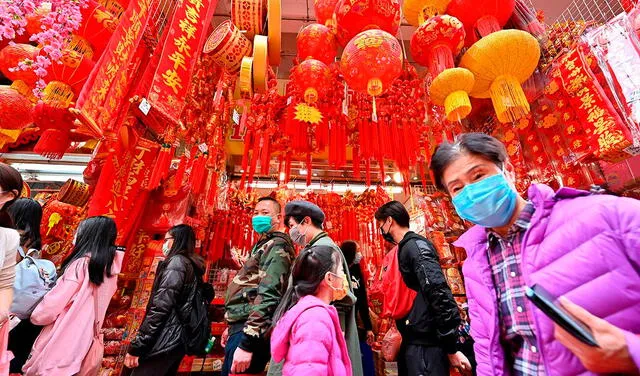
x: 246, y: 76
x: 274, y: 25
x: 308, y: 114
x: 249, y: 16
x: 260, y: 63
x: 227, y: 45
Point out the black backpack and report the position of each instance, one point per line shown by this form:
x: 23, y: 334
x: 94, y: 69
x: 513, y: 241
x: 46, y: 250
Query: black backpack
x: 197, y: 325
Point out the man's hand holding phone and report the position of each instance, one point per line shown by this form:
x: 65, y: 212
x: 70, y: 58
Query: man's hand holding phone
x: 612, y: 355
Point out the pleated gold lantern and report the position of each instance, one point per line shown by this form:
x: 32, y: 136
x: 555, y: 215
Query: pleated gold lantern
x: 500, y: 63
x: 451, y: 89
x: 416, y: 12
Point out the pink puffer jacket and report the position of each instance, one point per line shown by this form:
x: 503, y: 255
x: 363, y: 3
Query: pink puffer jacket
x: 309, y: 340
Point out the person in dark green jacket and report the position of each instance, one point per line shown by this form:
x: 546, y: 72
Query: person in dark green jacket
x: 255, y: 293
x: 305, y: 221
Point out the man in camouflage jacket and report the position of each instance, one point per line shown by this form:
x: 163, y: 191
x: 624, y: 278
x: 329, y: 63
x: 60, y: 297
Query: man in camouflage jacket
x: 255, y: 293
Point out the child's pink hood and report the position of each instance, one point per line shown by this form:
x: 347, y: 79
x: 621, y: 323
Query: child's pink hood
x: 305, y: 343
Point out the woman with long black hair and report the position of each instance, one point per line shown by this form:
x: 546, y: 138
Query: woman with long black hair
x: 158, y: 347
x: 70, y: 311
x: 10, y: 188
x: 26, y: 214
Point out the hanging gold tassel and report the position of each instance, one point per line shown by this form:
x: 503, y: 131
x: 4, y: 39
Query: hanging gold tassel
x: 374, y: 115
x: 509, y: 100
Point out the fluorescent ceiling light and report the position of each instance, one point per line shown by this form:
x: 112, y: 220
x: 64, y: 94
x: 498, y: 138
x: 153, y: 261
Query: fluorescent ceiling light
x: 52, y: 177
x: 48, y: 168
x: 397, y: 177
x: 303, y: 171
x: 338, y: 188
x: 69, y: 158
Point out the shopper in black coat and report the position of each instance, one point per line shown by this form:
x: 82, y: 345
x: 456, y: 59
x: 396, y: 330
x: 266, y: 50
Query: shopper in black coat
x: 350, y: 249
x: 430, y: 330
x: 158, y: 347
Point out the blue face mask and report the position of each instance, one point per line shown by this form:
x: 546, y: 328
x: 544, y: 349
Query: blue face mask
x: 488, y: 203
x: 261, y: 223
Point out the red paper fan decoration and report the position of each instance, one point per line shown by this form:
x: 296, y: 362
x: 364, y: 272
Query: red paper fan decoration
x: 313, y: 79
x: 371, y: 62
x: 318, y: 42
x: 483, y: 16
x: 436, y: 43
x: 355, y: 16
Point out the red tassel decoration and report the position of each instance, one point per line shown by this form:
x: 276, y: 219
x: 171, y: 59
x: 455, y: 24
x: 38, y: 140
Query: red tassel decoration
x: 53, y: 143
x: 179, y: 176
x: 163, y: 162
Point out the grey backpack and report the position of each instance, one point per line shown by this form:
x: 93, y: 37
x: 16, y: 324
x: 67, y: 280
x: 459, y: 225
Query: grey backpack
x: 34, y: 278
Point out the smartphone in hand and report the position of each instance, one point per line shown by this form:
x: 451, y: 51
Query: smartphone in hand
x: 543, y: 300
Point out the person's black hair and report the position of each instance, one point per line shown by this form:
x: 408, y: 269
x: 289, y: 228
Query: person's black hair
x: 275, y: 202
x: 96, y: 236
x: 308, y: 271
x: 478, y: 144
x: 184, y: 243
x: 395, y: 210
x: 299, y: 218
x: 26, y: 214
x: 349, y: 249
x: 10, y: 181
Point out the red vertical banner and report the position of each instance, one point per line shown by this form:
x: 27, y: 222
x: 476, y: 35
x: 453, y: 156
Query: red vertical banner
x: 105, y: 92
x: 180, y: 53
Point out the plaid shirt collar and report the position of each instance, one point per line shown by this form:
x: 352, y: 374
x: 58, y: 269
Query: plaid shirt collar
x: 521, y: 224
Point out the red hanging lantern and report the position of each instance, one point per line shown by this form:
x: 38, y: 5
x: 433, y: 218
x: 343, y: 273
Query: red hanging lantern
x: 318, y: 42
x: 15, y: 109
x: 325, y: 9
x: 312, y: 78
x: 371, y: 62
x: 483, y: 16
x: 11, y: 55
x: 436, y: 43
x: 97, y: 26
x: 355, y: 16
x: 73, y: 69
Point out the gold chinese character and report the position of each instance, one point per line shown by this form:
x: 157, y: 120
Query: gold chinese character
x: 196, y: 3
x: 192, y: 15
x: 172, y: 80
x: 182, y: 45
x: 178, y: 60
x: 188, y: 29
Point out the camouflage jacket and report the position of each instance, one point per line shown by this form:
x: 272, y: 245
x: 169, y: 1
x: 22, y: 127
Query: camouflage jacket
x: 255, y: 292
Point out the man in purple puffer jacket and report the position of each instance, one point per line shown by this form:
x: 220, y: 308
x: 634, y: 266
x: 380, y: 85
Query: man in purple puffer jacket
x: 583, y: 248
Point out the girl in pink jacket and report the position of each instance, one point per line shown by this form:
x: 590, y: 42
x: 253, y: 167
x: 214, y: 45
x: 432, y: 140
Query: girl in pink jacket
x: 68, y: 311
x: 307, y: 335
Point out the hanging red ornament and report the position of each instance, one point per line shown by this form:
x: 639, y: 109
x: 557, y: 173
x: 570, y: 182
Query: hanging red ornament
x: 325, y: 10
x: 356, y: 16
x: 11, y: 55
x: 318, y: 42
x: 73, y: 69
x: 481, y: 16
x: 371, y: 62
x: 312, y: 78
x: 15, y: 109
x: 437, y: 42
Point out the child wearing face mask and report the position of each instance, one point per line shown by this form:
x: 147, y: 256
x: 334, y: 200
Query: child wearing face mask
x: 307, y: 335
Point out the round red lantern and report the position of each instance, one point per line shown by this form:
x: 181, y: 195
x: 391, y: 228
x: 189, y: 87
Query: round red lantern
x: 312, y: 78
x: 97, y: 26
x: 481, y: 16
x: 436, y: 42
x: 355, y: 16
x: 11, y: 55
x: 371, y: 62
x: 73, y: 69
x: 15, y: 109
x: 318, y: 42
x: 325, y: 10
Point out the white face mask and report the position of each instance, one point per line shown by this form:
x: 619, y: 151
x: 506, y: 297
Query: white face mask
x: 166, y: 249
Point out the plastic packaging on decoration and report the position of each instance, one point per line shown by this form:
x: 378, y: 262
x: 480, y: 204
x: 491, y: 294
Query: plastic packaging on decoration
x: 617, y: 48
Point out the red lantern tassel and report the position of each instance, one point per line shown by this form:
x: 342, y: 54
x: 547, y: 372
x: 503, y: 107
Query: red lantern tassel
x: 367, y: 164
x: 356, y: 161
x: 179, y: 176
x: 487, y: 24
x: 53, y: 143
x: 162, y: 162
x: 309, y: 160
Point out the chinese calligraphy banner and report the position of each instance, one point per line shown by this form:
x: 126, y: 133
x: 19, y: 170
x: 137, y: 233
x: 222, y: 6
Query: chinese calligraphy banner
x: 610, y: 136
x: 104, y: 93
x: 180, y: 53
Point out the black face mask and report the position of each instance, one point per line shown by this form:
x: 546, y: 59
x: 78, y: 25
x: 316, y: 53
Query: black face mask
x: 387, y: 236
